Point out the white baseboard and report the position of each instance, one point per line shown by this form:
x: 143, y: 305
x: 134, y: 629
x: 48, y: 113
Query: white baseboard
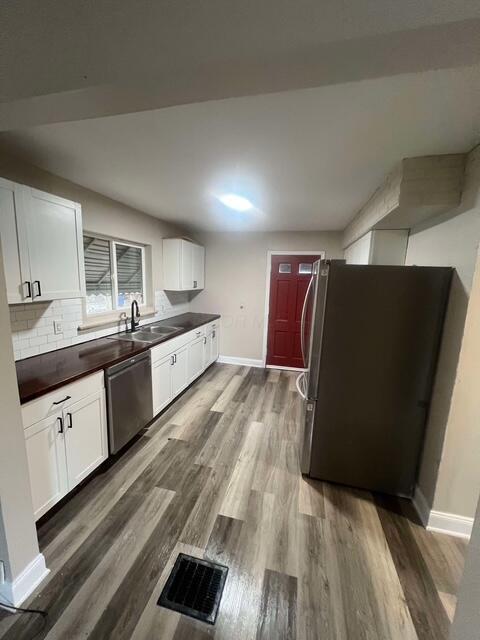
x: 244, y: 362
x: 17, y: 592
x: 441, y: 522
x: 421, y: 506
x: 272, y: 366
x: 454, y: 525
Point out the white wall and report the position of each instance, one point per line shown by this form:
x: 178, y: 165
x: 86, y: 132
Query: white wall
x: 379, y: 246
x: 448, y: 474
x: 32, y: 324
x: 236, y: 265
x: 467, y: 614
x: 359, y: 251
x: 18, y: 535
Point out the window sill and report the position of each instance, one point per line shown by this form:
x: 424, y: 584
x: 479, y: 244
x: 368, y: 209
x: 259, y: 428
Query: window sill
x: 103, y: 321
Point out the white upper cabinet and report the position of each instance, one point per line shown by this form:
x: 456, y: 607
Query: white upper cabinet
x: 198, y: 266
x: 183, y: 265
x: 42, y: 244
x: 55, y: 246
x: 14, y: 245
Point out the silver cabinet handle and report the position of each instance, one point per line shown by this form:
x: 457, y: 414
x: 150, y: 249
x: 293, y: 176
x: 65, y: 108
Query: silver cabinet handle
x: 175, y: 356
x: 63, y: 400
x: 70, y: 421
x: 194, y: 284
x: 205, y: 340
x: 60, y: 422
x: 172, y: 360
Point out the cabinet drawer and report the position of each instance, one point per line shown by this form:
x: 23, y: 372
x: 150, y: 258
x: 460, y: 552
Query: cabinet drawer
x: 170, y: 346
x: 196, y: 333
x: 65, y: 396
x: 211, y: 326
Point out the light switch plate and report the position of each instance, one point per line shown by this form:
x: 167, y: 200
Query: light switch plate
x: 57, y: 326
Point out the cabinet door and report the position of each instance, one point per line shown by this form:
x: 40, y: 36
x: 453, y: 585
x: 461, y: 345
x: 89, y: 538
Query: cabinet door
x: 85, y: 436
x: 198, y: 264
x: 214, y: 346
x: 180, y: 371
x: 195, y: 358
x: 45, y: 444
x: 55, y: 244
x: 162, y: 383
x: 14, y: 246
x: 186, y: 265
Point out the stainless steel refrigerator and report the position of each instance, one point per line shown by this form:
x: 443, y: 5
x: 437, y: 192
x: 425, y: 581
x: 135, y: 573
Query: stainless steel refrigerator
x: 370, y: 338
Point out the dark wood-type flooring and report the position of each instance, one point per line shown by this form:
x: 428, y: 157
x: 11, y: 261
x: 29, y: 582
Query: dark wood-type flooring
x: 217, y: 476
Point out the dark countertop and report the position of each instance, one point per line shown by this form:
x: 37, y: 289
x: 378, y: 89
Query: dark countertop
x: 40, y: 374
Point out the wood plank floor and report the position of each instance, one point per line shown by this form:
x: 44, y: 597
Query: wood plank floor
x: 217, y: 476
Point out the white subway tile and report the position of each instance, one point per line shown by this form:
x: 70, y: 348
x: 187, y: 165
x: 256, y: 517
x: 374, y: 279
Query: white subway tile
x: 71, y: 324
x: 28, y: 314
x: 64, y: 343
x: 35, y: 342
x: 19, y: 325
x: 45, y: 330
x: 22, y: 344
x: 31, y: 351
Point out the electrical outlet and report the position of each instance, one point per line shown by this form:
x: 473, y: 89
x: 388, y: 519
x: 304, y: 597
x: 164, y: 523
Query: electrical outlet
x: 57, y: 326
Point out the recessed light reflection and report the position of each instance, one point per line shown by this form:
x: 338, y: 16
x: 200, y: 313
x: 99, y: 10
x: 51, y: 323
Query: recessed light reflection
x: 236, y: 202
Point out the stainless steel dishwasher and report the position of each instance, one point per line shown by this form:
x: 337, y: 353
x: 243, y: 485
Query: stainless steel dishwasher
x: 129, y: 399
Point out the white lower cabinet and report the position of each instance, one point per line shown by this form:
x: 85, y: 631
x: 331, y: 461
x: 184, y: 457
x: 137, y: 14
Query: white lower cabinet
x: 162, y: 383
x: 196, y: 358
x: 85, y: 437
x: 178, y: 362
x: 47, y: 465
x: 66, y: 439
x: 211, y: 345
x: 180, y: 371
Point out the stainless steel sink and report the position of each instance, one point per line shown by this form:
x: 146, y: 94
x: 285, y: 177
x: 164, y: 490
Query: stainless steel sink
x: 146, y: 334
x: 163, y: 330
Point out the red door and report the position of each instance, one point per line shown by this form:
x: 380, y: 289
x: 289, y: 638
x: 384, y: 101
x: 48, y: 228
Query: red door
x: 289, y: 280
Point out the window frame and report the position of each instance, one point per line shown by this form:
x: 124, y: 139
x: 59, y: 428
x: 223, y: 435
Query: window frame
x: 116, y: 310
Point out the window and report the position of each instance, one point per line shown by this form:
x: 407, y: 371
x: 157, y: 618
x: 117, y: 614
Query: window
x: 284, y: 267
x: 114, y: 274
x: 305, y: 268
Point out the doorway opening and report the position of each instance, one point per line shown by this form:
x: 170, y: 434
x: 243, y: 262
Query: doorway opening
x: 288, y: 276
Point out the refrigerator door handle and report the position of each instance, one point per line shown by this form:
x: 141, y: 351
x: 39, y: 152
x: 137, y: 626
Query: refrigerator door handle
x: 298, y: 384
x: 302, y: 323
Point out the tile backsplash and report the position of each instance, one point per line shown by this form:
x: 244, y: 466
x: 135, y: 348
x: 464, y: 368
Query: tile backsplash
x: 33, y: 324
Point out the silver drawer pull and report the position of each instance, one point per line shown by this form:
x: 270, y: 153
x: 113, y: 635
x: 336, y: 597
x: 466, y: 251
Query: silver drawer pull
x: 64, y: 400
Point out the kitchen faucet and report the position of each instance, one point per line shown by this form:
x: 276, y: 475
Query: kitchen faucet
x: 134, y: 323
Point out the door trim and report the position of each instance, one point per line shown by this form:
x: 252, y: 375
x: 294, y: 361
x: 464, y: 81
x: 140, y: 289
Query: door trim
x: 312, y: 252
